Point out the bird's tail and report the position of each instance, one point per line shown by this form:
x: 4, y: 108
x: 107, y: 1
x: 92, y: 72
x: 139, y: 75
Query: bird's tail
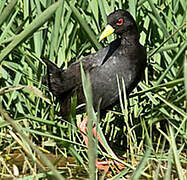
x: 53, y: 79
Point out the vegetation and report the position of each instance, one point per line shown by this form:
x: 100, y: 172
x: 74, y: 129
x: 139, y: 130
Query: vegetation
x: 149, y: 128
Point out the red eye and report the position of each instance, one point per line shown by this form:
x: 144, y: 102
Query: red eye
x: 120, y: 22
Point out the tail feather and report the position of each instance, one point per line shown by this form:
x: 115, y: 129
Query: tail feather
x: 53, y: 78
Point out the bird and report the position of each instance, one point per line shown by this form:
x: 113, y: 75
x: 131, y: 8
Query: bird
x: 124, y: 57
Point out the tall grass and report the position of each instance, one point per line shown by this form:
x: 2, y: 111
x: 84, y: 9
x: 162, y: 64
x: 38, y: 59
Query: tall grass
x: 149, y: 128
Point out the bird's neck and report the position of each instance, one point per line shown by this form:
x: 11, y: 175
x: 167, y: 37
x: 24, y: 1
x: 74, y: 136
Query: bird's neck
x: 130, y: 37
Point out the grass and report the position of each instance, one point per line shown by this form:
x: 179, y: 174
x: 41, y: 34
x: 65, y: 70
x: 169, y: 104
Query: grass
x: 149, y: 128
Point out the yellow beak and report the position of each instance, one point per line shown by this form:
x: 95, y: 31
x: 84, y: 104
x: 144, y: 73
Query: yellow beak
x: 107, y: 32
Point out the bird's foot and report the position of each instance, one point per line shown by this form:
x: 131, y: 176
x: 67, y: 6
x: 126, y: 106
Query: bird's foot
x: 104, y: 165
x: 101, y: 165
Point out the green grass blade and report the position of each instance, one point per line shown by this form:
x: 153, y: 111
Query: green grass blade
x: 182, y: 49
x: 136, y: 175
x: 158, y: 18
x: 92, y: 118
x: 185, y: 72
x: 56, y: 32
x: 6, y: 30
x: 25, y: 138
x: 7, y: 11
x: 175, y: 108
x: 85, y: 26
x: 176, y: 155
x: 29, y: 30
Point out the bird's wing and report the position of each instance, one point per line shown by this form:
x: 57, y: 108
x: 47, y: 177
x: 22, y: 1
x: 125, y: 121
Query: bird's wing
x: 60, y: 82
x: 63, y: 81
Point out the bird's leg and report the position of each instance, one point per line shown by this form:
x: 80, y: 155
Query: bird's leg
x: 119, y: 165
x: 102, y: 165
x: 83, y: 127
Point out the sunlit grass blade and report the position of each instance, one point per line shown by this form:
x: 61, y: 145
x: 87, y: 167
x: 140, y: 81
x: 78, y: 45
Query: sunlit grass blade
x: 7, y: 11
x: 56, y: 31
x: 42, y: 156
x: 176, y: 155
x: 92, y: 119
x: 185, y: 73
x: 66, y: 32
x: 31, y: 28
x: 136, y: 175
x: 158, y: 18
x: 85, y: 26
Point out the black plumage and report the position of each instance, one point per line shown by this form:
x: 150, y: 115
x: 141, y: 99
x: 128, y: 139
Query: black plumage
x: 124, y: 57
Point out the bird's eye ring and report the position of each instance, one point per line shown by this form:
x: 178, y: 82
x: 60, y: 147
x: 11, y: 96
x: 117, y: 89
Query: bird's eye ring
x: 120, y: 22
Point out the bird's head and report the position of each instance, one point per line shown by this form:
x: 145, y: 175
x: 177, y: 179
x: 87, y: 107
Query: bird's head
x: 119, y: 22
